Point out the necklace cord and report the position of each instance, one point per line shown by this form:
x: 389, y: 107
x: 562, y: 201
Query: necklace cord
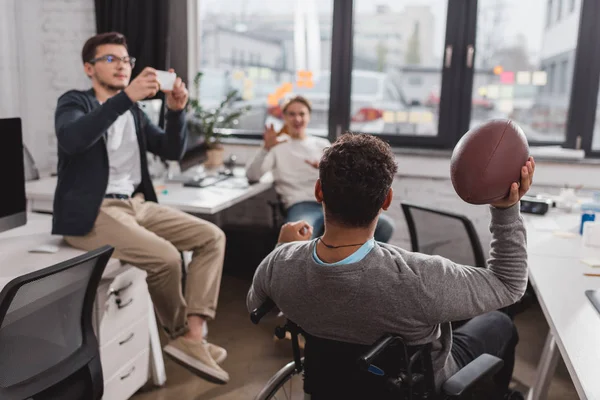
x: 337, y: 247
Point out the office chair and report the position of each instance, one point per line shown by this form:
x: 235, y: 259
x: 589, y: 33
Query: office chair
x: 452, y: 236
x: 278, y: 212
x: 47, y: 344
x: 446, y: 234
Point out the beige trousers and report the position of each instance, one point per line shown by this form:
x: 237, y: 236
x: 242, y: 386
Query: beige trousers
x: 150, y: 236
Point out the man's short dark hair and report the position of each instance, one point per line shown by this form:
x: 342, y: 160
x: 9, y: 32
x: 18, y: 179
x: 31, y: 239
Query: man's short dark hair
x: 89, y: 48
x: 356, y: 175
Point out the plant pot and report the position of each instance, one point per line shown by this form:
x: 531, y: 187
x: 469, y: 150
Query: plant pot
x: 214, y: 157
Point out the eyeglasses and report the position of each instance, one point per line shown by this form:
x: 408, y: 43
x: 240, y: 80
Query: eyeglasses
x: 110, y: 59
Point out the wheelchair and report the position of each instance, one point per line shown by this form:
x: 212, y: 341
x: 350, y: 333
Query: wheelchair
x: 388, y: 369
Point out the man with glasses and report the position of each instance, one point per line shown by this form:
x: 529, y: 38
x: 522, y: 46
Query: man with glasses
x: 104, y: 195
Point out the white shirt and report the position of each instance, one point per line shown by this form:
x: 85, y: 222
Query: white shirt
x: 294, y: 178
x: 125, y: 167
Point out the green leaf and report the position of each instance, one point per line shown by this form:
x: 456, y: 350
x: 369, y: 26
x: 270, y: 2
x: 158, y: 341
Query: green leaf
x: 222, y: 116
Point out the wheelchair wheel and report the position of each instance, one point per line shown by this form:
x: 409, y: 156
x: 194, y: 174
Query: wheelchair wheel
x: 287, y: 384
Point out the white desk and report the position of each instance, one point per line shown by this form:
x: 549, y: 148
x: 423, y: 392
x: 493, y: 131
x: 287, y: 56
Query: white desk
x: 556, y: 274
x: 198, y: 201
x: 127, y: 337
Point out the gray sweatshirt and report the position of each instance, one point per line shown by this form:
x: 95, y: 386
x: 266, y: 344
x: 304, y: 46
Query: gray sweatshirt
x: 393, y: 290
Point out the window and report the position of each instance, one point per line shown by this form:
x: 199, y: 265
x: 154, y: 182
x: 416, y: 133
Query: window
x: 406, y: 81
x: 563, y: 77
x: 390, y: 93
x: 531, y: 84
x: 256, y: 55
x: 552, y: 78
x: 409, y: 70
x: 415, y: 80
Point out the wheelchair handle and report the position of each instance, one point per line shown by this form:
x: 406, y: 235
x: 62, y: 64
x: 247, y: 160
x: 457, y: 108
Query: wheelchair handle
x: 261, y: 311
x: 367, y: 359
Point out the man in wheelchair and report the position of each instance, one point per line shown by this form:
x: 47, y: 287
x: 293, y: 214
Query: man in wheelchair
x: 346, y: 287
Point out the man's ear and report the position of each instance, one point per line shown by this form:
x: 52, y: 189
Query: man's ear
x: 388, y: 200
x: 318, y: 192
x: 88, y: 69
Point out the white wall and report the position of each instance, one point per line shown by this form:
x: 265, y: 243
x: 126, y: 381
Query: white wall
x: 49, y: 35
x: 9, y: 62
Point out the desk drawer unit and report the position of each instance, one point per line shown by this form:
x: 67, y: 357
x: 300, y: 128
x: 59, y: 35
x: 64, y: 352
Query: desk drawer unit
x: 124, y: 347
x: 121, y: 302
x: 128, y: 379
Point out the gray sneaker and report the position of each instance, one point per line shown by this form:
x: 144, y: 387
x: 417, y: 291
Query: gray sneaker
x: 196, y: 357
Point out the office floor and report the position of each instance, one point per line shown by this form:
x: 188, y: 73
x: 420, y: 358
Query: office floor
x: 254, y: 356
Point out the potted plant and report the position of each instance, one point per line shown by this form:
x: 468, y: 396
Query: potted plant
x: 209, y: 122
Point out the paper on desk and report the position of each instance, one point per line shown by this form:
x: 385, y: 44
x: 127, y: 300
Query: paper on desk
x: 592, y: 262
x: 565, y: 234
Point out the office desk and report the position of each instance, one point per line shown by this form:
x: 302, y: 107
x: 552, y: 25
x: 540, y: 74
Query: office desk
x: 198, y: 201
x: 127, y: 336
x: 556, y: 274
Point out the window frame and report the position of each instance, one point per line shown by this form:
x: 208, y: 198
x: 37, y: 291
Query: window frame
x: 450, y: 80
x: 586, y: 80
x: 457, y: 80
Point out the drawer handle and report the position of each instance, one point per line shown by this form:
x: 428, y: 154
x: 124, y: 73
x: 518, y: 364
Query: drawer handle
x: 116, y: 292
x: 131, y: 335
x: 122, y: 305
x: 128, y: 374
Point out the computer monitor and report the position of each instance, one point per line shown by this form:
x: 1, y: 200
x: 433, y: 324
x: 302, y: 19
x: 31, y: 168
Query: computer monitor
x: 13, y: 203
x: 195, y: 152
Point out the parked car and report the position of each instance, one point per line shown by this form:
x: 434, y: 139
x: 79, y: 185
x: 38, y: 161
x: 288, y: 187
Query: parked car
x: 378, y: 106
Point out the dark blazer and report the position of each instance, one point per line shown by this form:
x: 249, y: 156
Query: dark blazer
x: 81, y: 124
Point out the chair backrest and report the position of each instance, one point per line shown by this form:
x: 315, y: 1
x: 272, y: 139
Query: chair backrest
x: 446, y: 234
x: 332, y: 371
x: 47, y: 344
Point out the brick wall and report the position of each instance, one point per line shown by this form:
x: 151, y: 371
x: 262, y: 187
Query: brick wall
x: 50, y: 34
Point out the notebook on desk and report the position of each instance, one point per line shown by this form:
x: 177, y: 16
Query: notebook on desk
x: 594, y: 296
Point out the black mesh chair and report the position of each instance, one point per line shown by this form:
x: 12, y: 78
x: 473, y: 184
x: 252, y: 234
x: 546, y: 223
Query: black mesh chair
x: 48, y: 349
x: 452, y: 236
x: 442, y: 233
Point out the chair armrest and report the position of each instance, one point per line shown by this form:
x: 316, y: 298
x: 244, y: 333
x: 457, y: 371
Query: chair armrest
x: 482, y: 367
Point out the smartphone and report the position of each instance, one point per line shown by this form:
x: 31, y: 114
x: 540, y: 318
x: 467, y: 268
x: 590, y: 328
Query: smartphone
x: 166, y: 79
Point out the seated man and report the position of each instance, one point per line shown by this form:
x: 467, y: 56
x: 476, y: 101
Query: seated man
x: 293, y: 156
x: 363, y: 289
x: 105, y: 196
